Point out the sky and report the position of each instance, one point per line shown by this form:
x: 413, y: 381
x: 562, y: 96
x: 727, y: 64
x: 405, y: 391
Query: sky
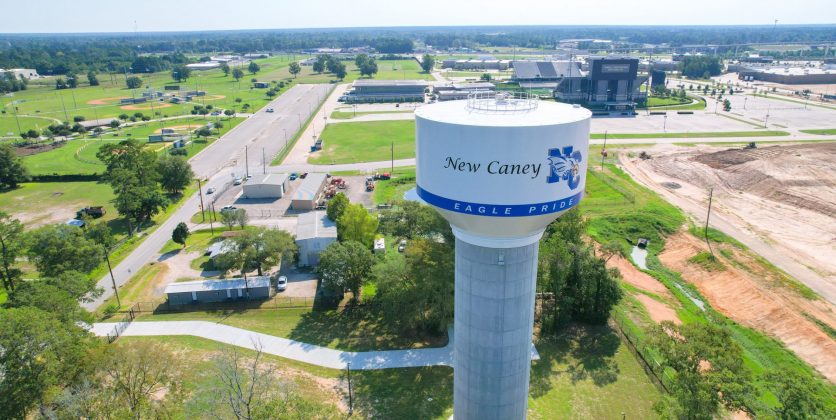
x: 66, y: 16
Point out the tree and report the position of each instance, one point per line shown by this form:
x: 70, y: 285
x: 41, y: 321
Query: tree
x: 225, y: 68
x: 356, y: 224
x: 114, y: 124
x: 237, y: 74
x: 92, y: 79
x: 60, y: 83
x: 181, y: 73
x: 294, y: 68
x: 336, y: 206
x: 261, y: 248
x: 12, y: 171
x: 726, y: 105
x: 138, y: 371
x: 39, y: 353
x: 427, y: 63
x: 72, y: 80
x: 180, y: 234
x: 229, y: 112
x: 486, y: 77
x: 369, y: 68
x: 708, y: 367
x: 11, y: 246
x: 241, y: 218
x: 60, y: 248
x: 229, y: 218
x: 133, y: 82
x: 345, y: 266
x: 253, y: 67
x: 48, y: 298
x: 799, y: 396
x: 340, y: 71
x: 411, y: 220
x: 175, y: 173
x: 319, y: 63
x: 132, y: 172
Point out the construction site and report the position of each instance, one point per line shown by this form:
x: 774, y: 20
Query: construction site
x: 778, y: 202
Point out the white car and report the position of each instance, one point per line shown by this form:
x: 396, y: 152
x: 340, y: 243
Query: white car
x: 238, y: 181
x: 281, y: 283
x: 269, y: 110
x: 210, y: 190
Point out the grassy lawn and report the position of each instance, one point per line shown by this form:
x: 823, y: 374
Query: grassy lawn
x: 675, y: 104
x: 79, y: 156
x: 821, y: 132
x: 8, y: 124
x: 366, y: 142
x: 403, y: 180
x: 41, y: 203
x: 352, y: 330
x: 74, y: 157
x: 91, y: 102
x: 690, y: 135
x: 347, y: 115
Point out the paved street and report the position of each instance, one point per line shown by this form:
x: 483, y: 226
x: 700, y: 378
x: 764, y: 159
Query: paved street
x: 219, y: 163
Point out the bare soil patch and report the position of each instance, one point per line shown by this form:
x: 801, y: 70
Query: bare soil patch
x: 785, y: 195
x: 33, y: 149
x: 106, y: 101
x: 658, y: 311
x: 637, y: 278
x: 745, y: 293
x: 146, y: 106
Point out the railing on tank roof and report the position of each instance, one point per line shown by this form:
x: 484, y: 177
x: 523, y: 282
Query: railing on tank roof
x: 502, y: 102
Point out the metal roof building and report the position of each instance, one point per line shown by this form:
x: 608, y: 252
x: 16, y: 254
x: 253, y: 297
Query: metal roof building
x: 545, y: 74
x: 367, y: 90
x: 218, y: 290
x: 305, y: 196
x: 266, y: 186
x: 314, y: 232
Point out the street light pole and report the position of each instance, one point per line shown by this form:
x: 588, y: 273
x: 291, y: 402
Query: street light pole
x: 350, y: 398
x: 112, y: 279
x: 200, y: 194
x: 665, y: 124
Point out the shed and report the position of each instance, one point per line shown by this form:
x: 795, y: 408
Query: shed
x: 266, y: 186
x: 201, y: 291
x: 314, y: 232
x: 307, y: 193
x: 379, y: 245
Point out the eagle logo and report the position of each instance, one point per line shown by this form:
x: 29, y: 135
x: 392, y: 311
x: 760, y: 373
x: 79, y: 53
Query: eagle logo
x: 564, y: 165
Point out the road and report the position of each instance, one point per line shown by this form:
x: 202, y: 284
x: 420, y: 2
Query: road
x: 262, y: 135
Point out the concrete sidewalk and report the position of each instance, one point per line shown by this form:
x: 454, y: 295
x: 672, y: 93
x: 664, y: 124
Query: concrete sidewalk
x: 290, y: 349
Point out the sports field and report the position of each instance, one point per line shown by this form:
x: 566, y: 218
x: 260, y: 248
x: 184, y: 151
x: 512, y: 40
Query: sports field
x: 92, y: 102
x: 366, y: 142
x: 42, y: 203
x: 79, y: 156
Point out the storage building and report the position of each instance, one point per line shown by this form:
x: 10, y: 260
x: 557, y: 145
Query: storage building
x: 308, y: 192
x: 202, y: 291
x: 266, y: 186
x: 365, y: 91
x: 314, y: 232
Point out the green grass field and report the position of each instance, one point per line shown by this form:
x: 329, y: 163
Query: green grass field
x: 102, y: 101
x: 347, y: 115
x: 717, y: 134
x: 55, y: 202
x: 8, y: 124
x: 821, y: 132
x: 674, y: 104
x: 366, y: 142
x: 79, y: 156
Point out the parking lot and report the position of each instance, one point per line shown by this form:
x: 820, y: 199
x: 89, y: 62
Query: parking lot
x: 270, y: 211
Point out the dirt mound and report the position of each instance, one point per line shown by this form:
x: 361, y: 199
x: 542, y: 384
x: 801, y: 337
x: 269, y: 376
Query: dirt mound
x: 637, y: 278
x: 33, y: 149
x: 658, y: 311
x: 751, y: 300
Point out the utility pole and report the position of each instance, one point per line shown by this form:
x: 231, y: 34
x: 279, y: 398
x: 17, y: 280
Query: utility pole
x: 247, y: 160
x: 263, y: 162
x: 707, y: 242
x: 393, y: 158
x: 67, y: 118
x: 350, y: 398
x: 112, y: 279
x: 604, y: 151
x: 200, y: 194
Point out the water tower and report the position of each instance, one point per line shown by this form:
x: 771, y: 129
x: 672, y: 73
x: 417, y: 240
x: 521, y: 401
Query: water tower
x: 499, y: 168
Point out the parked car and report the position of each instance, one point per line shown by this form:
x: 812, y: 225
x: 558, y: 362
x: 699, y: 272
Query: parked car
x: 281, y: 283
x: 402, y: 245
x: 293, y: 176
x: 238, y: 181
x: 269, y: 110
x: 215, y: 113
x: 228, y: 208
x: 210, y: 190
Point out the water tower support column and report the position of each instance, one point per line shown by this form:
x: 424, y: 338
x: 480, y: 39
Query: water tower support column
x: 493, y: 329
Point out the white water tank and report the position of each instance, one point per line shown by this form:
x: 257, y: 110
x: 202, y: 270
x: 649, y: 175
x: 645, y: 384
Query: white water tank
x: 499, y: 168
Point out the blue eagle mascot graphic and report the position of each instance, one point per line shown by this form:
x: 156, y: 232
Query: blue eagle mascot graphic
x: 565, y: 165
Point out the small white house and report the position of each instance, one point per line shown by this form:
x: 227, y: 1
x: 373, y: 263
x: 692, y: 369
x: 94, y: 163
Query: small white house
x: 379, y: 245
x: 314, y: 232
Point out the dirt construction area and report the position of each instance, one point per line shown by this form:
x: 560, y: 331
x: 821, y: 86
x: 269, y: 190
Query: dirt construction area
x: 784, y: 196
x: 751, y: 295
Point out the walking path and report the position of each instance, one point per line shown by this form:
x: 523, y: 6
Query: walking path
x: 290, y: 349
